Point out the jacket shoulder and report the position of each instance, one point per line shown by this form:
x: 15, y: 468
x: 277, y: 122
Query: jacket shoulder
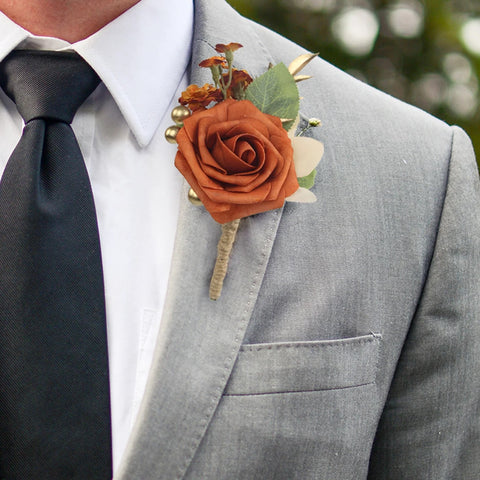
x: 363, y: 124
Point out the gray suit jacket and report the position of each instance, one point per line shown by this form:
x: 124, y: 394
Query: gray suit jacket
x: 346, y: 343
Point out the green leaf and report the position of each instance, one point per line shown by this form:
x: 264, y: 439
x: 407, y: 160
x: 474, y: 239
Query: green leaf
x: 275, y: 92
x: 308, y: 181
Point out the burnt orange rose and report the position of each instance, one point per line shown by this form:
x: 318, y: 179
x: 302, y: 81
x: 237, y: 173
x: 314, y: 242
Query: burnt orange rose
x: 238, y: 160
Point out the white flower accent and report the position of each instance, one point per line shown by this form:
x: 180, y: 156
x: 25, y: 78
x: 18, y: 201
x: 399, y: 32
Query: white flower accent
x: 302, y: 195
x: 307, y: 153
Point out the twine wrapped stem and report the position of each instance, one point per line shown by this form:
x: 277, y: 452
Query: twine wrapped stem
x: 224, y: 248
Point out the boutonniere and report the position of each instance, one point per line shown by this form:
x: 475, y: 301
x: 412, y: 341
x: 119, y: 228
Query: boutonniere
x: 238, y: 148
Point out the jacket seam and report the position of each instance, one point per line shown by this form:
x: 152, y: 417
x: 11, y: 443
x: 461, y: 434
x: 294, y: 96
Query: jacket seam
x: 437, y: 230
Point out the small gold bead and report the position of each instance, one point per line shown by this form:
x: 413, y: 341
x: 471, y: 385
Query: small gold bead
x: 171, y: 133
x: 179, y: 114
x: 193, y: 197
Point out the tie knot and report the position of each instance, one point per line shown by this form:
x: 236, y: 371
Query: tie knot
x: 49, y: 85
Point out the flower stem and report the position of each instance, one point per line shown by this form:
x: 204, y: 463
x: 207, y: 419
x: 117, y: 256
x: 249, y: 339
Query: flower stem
x: 224, y: 248
x: 313, y: 122
x: 224, y: 87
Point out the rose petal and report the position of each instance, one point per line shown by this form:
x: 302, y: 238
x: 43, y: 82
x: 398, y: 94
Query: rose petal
x: 302, y: 195
x: 260, y: 194
x: 307, y: 152
x: 225, y: 156
x: 240, y: 211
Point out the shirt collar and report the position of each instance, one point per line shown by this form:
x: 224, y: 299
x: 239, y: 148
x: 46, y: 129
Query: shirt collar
x: 141, y: 57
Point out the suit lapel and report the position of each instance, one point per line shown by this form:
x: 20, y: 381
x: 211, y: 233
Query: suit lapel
x: 199, y: 339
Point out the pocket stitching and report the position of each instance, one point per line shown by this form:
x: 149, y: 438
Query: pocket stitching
x: 317, y: 344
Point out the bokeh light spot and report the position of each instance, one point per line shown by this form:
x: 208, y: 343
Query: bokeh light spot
x: 457, y: 68
x: 470, y: 35
x: 462, y: 100
x: 406, y: 19
x: 356, y: 29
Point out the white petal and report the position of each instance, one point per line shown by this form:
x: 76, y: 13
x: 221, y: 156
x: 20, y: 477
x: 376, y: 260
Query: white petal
x: 307, y: 152
x: 302, y: 195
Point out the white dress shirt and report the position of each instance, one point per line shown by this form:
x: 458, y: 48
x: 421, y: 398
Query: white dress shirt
x: 141, y: 58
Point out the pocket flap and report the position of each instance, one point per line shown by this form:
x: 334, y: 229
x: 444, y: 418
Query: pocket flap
x: 304, y: 366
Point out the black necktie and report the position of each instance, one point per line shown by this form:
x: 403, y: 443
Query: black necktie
x: 54, y: 388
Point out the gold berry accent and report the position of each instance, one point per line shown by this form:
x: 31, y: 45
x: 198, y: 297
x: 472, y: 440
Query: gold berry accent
x: 179, y: 114
x: 171, y: 133
x: 193, y: 198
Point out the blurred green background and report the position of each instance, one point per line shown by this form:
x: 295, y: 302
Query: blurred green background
x: 424, y: 52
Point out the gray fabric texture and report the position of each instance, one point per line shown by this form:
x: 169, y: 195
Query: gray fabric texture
x: 346, y: 342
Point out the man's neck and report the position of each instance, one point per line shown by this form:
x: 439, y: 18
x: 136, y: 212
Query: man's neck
x: 70, y: 20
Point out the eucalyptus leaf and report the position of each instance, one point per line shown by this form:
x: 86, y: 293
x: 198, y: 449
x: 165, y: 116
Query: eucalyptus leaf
x: 308, y: 181
x: 275, y: 92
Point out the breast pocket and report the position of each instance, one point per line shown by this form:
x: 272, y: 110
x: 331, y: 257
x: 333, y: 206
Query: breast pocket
x: 305, y: 366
